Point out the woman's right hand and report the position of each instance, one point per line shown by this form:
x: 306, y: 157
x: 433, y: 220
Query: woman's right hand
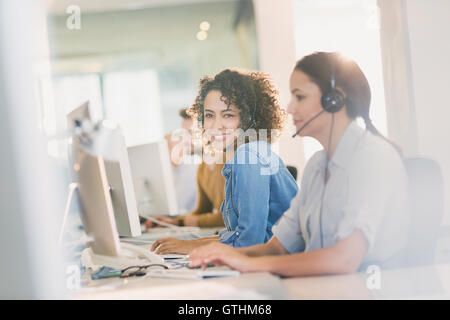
x: 172, y: 245
x: 151, y: 224
x: 221, y: 254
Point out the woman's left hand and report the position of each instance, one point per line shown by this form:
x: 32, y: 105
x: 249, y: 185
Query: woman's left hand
x: 172, y: 245
x: 221, y: 254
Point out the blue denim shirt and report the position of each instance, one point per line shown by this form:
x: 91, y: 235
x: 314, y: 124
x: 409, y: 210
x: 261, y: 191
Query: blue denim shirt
x: 258, y: 190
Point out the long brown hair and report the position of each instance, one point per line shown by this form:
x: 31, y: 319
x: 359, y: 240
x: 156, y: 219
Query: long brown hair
x: 321, y: 67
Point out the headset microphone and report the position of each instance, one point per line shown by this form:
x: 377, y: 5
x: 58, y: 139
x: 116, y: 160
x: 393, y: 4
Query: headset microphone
x: 307, y: 122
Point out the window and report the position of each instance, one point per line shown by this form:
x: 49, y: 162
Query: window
x: 132, y: 100
x: 350, y: 27
x: 140, y: 65
x: 60, y: 95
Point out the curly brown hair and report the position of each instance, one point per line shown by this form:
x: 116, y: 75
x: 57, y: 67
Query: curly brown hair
x: 251, y: 92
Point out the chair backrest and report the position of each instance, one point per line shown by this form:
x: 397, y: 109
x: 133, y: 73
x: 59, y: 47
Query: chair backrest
x: 426, y: 211
x: 293, y: 171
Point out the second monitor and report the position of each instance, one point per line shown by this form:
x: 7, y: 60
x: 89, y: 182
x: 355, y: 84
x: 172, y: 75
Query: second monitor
x: 153, y: 180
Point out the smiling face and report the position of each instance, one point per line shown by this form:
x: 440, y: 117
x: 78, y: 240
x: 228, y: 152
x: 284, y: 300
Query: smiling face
x: 305, y: 104
x: 221, y: 122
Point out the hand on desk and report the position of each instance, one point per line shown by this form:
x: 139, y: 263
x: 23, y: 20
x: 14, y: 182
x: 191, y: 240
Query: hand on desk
x: 221, y: 254
x: 151, y: 224
x: 172, y: 245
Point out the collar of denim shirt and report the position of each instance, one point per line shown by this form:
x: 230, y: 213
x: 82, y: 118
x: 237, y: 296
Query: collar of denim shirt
x: 253, y: 146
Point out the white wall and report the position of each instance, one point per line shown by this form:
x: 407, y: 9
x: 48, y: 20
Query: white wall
x: 28, y: 197
x: 276, y: 44
x: 351, y: 28
x: 429, y: 36
x: 417, y: 77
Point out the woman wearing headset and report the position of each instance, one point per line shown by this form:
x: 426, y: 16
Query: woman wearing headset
x: 351, y: 210
x: 241, y: 116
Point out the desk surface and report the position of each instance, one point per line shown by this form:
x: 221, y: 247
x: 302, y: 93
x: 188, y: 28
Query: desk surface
x: 429, y: 282
x: 257, y: 286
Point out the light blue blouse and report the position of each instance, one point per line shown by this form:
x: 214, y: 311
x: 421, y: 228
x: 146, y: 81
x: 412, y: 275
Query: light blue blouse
x: 367, y: 190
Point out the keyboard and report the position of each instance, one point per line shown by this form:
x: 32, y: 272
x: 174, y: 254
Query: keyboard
x: 192, y: 274
x: 152, y: 234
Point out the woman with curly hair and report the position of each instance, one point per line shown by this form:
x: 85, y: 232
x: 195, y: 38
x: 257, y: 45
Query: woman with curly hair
x: 240, y: 116
x: 352, y: 210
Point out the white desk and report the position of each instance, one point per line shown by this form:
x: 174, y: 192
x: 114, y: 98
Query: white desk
x: 251, y: 286
x: 247, y: 286
x: 430, y: 282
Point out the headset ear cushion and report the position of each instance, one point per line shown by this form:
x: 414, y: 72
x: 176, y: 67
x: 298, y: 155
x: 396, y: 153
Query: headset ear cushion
x: 333, y: 101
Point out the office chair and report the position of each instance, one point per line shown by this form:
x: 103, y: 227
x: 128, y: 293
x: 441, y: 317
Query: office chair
x: 293, y: 171
x: 426, y: 211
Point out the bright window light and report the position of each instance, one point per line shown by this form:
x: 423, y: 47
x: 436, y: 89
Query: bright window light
x: 132, y: 99
x: 350, y: 27
x: 59, y: 96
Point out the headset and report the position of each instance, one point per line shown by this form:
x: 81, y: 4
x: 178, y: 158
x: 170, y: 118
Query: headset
x: 332, y: 101
x: 252, y: 121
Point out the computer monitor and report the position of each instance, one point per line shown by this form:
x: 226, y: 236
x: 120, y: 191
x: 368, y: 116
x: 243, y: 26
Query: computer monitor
x: 97, y: 208
x: 122, y: 193
x: 153, y: 180
x: 99, y: 221
x: 117, y: 174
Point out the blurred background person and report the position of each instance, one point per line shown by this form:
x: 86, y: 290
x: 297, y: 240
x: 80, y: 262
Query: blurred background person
x: 184, y: 164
